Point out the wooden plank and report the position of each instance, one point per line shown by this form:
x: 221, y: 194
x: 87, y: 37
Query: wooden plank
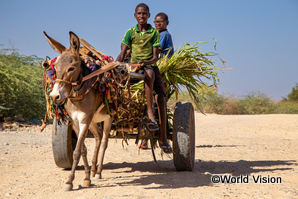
x: 86, y: 51
x: 93, y: 50
x: 106, y: 68
x: 83, y: 54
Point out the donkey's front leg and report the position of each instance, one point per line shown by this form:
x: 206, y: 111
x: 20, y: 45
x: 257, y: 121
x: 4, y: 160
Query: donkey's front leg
x: 103, y: 145
x: 87, y: 181
x: 97, y: 132
x: 76, y: 155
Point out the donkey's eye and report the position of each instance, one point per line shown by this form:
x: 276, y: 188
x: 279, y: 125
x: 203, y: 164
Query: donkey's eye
x: 71, y: 69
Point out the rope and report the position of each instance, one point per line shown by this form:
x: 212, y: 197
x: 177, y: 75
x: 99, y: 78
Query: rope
x: 62, y: 80
x: 106, y: 58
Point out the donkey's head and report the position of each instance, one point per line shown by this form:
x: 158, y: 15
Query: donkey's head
x: 68, y: 68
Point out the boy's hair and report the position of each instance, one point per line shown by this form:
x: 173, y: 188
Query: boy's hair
x: 161, y: 14
x: 142, y: 5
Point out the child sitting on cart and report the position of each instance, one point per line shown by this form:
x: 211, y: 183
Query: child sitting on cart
x: 143, y: 41
x: 161, y: 22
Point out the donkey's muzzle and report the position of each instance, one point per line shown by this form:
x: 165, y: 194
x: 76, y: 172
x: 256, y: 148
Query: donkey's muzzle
x: 56, y: 98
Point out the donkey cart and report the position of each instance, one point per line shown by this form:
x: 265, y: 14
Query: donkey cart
x: 130, y: 118
x: 182, y: 135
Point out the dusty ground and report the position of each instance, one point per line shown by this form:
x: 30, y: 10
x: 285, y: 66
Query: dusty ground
x: 256, y: 145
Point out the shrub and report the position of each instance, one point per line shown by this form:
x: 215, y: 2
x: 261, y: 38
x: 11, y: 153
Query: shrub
x: 257, y: 103
x: 227, y: 104
x: 232, y: 106
x: 286, y: 107
x: 294, y: 93
x: 213, y: 103
x: 21, y: 85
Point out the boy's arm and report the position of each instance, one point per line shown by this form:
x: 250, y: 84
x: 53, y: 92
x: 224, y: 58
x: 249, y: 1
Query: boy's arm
x: 122, y: 53
x: 124, y: 45
x: 154, y: 58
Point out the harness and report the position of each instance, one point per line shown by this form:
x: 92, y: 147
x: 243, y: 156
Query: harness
x: 76, y: 92
x: 105, y: 78
x: 109, y: 84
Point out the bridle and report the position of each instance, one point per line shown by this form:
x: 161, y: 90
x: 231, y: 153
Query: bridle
x: 75, y: 85
x: 76, y: 91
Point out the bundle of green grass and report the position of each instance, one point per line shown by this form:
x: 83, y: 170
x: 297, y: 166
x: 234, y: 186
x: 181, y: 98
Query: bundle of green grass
x: 186, y: 68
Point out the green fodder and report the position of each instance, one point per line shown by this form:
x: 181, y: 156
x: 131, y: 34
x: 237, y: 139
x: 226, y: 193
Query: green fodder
x: 21, y: 86
x: 185, y: 70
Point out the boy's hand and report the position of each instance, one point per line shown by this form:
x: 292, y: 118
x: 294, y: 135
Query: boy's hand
x: 142, y: 63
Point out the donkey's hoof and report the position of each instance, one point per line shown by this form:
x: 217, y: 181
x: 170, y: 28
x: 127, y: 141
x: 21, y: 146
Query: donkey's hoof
x: 87, y: 183
x: 68, y: 187
x: 93, y: 173
x: 98, y: 176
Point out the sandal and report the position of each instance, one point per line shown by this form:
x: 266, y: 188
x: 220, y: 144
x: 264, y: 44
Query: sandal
x: 166, y: 148
x: 152, y: 126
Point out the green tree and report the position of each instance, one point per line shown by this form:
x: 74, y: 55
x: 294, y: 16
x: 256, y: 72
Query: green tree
x: 21, y: 85
x: 294, y: 94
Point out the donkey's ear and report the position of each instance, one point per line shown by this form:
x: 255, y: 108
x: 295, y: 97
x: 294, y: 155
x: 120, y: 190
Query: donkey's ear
x: 55, y: 44
x: 74, y: 43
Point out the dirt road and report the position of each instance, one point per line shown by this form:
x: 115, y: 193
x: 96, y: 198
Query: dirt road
x: 245, y: 149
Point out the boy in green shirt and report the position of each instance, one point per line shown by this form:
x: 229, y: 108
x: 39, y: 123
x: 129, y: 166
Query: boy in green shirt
x: 143, y: 41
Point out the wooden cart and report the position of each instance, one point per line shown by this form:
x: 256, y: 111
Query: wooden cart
x: 182, y: 132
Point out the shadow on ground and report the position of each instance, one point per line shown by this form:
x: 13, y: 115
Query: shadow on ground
x: 164, y: 175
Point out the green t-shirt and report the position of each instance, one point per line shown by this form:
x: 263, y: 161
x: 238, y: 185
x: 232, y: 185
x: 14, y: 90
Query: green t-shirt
x: 141, y: 43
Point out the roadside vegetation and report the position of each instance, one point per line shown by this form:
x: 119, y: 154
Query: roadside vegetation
x: 252, y: 103
x: 21, y: 85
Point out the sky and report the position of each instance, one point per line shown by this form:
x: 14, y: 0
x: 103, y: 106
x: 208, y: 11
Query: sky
x: 256, y: 38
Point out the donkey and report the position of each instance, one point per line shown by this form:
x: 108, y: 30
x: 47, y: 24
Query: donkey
x: 85, y: 113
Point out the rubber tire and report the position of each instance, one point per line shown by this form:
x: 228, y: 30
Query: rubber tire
x: 63, y: 144
x: 184, y: 136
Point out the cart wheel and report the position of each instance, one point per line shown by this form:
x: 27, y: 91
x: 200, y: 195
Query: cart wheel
x: 184, y: 136
x: 63, y: 142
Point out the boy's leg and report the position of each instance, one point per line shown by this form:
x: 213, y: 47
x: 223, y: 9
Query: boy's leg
x: 149, y: 80
x: 160, y: 98
x: 161, y: 104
